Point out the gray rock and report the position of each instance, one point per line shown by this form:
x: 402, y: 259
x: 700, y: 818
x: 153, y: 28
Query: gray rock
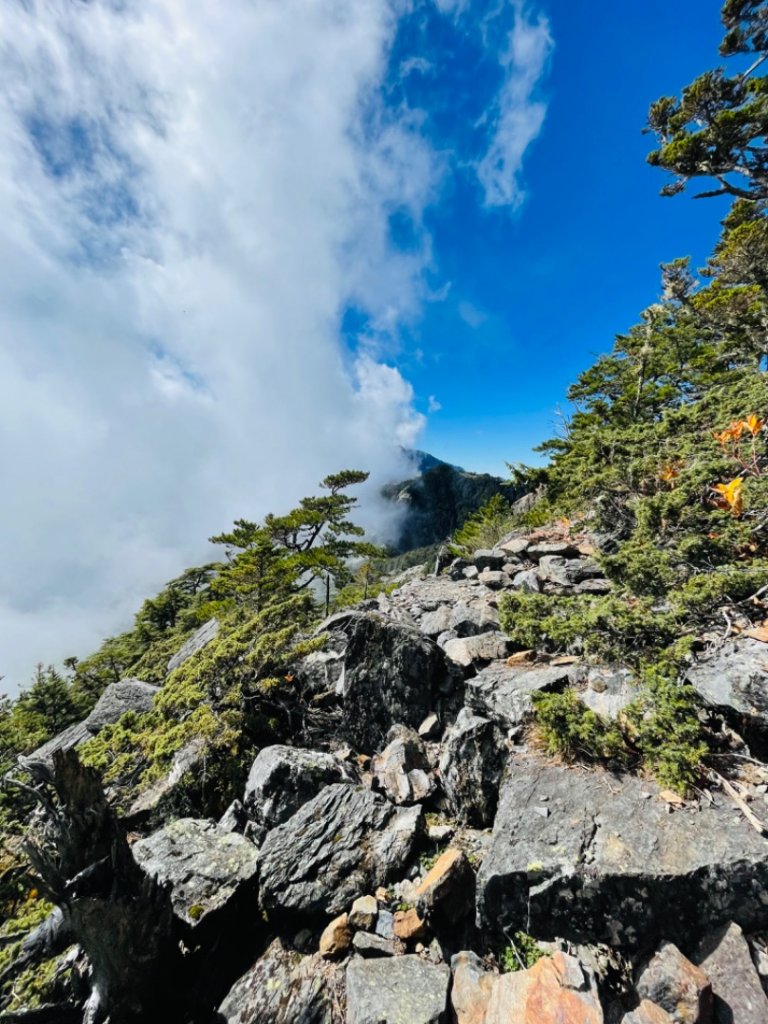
x: 471, y: 650
x: 385, y: 924
x: 401, y: 770
x: 738, y: 994
x: 168, y: 793
x: 609, y: 689
x: 470, y: 573
x: 283, y: 988
x: 596, y: 586
x: 436, y: 622
x: 343, y: 844
x: 487, y: 559
x: 647, y: 1013
x: 367, y: 944
x: 494, y: 579
x: 468, y: 619
x: 672, y: 982
x: 127, y: 695
x: 471, y: 987
x: 282, y: 778
x: 206, y: 869
x: 70, y: 737
x: 234, y: 819
x: 397, y: 990
x: 527, y: 581
x: 471, y: 764
x: 392, y: 674
x: 546, y: 549
x: 502, y: 692
x: 609, y: 866
x: 734, y: 680
x: 207, y: 632
x: 567, y: 571
x: 514, y: 546
x: 320, y: 671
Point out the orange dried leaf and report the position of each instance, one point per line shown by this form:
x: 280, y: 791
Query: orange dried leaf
x: 754, y: 424
x: 731, y: 496
x: 757, y: 633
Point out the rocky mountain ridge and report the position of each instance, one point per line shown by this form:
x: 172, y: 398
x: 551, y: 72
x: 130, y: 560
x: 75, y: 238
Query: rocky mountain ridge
x: 410, y: 843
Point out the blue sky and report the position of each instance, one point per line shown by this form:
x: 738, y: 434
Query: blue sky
x: 247, y: 244
x: 546, y: 286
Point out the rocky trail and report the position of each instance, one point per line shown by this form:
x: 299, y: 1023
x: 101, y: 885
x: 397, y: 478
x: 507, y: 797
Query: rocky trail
x: 422, y: 861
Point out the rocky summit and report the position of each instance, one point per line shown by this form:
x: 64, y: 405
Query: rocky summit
x: 426, y: 860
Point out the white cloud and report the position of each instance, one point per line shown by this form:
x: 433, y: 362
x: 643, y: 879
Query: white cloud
x: 190, y: 193
x: 520, y: 113
x: 433, y: 405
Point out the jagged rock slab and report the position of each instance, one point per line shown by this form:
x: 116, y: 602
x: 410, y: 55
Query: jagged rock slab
x: 734, y: 680
x: 471, y: 764
x: 127, y: 695
x: 206, y: 869
x: 738, y: 994
x: 283, y: 987
x: 282, y: 778
x: 343, y: 844
x: 503, y: 693
x: 392, y: 675
x: 169, y: 792
x: 200, y: 639
x: 584, y: 856
x: 71, y: 737
x: 397, y: 990
x: 117, y: 698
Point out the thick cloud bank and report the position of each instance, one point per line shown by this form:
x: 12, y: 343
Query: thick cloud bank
x: 191, y: 195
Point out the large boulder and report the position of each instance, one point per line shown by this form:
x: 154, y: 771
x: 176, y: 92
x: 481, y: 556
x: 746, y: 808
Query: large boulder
x: 117, y: 698
x: 555, y: 989
x: 503, y: 692
x: 392, y: 674
x: 734, y: 680
x: 344, y: 843
x: 470, y: 766
x: 471, y: 988
x: 477, y: 650
x: 127, y: 695
x: 209, y: 872
x: 589, y: 856
x: 199, y: 639
x: 738, y: 994
x: 397, y: 990
x: 281, y: 779
x: 283, y: 987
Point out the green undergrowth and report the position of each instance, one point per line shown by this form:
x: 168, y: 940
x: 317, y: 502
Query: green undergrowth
x: 521, y: 954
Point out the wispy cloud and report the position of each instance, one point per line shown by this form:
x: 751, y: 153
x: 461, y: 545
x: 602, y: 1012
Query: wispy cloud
x: 520, y: 112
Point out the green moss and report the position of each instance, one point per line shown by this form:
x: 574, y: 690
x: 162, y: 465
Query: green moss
x: 522, y: 953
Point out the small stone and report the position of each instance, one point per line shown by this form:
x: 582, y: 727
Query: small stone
x: 494, y: 579
x: 385, y: 924
x: 392, y: 989
x: 725, y: 959
x: 336, y: 939
x: 367, y: 944
x: 408, y: 925
x: 363, y: 914
x: 471, y: 572
x: 485, y: 559
x: 543, y: 812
